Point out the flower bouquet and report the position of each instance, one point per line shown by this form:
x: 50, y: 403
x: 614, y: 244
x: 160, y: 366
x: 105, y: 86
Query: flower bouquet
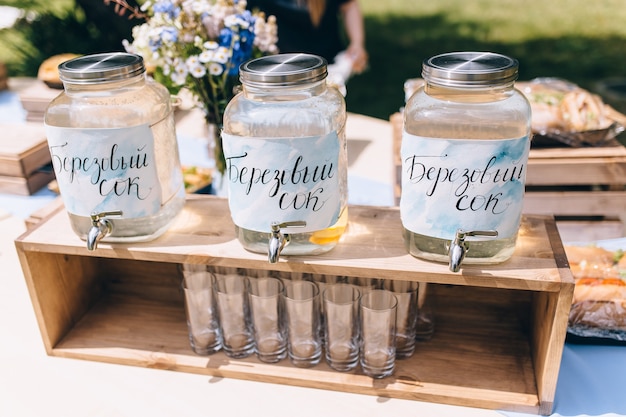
x: 199, y: 45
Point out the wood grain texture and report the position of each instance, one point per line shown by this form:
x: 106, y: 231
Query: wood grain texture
x: 23, y: 149
x: 499, y: 332
x: 611, y: 204
x: 372, y: 247
x: 25, y: 185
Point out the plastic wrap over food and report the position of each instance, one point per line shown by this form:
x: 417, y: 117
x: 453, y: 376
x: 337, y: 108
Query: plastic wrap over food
x: 599, y: 304
x: 565, y: 114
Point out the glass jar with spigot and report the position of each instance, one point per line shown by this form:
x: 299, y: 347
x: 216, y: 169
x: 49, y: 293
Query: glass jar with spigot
x: 465, y: 147
x: 114, y: 152
x: 286, y: 162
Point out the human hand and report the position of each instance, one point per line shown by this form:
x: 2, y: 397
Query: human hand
x: 359, y: 57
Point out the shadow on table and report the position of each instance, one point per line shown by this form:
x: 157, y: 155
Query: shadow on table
x: 355, y: 149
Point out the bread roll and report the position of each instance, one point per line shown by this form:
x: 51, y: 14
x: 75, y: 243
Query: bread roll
x: 49, y: 69
x: 599, y: 289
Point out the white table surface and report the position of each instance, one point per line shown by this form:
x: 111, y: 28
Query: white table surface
x: 592, y: 379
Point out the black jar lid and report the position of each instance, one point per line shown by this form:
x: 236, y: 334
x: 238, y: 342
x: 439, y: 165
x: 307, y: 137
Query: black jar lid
x: 470, y: 69
x: 101, y: 68
x: 283, y: 70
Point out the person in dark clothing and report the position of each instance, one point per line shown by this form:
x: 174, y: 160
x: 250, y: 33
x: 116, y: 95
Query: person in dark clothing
x: 315, y: 27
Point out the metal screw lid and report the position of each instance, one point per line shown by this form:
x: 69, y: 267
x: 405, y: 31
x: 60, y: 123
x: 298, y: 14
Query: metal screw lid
x: 283, y: 70
x: 470, y: 69
x: 101, y: 68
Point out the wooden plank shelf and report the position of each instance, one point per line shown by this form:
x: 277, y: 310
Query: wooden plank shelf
x: 577, y: 182
x: 499, y: 332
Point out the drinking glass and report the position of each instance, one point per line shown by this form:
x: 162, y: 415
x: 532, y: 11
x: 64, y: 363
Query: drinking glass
x: 266, y: 311
x: 406, y: 293
x: 234, y: 314
x: 378, y: 330
x: 302, y: 313
x: 201, y: 309
x: 341, y: 326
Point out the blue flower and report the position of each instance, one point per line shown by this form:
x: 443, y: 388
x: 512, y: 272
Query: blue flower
x: 225, y: 38
x: 169, y: 34
x: 166, y: 7
x: 238, y: 36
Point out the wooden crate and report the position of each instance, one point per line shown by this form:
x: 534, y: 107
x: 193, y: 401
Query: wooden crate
x: 571, y: 184
x: 35, y: 97
x: 577, y: 182
x: 24, y: 158
x: 499, y: 335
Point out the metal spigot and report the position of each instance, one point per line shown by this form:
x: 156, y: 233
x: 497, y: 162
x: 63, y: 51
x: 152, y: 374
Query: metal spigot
x: 279, y: 240
x: 100, y: 227
x: 459, y: 247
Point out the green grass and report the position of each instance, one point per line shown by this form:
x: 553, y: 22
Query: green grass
x: 56, y: 27
x: 578, y: 40
x: 582, y: 41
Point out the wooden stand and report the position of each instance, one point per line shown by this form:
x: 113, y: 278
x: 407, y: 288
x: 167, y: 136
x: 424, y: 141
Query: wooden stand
x: 499, y: 330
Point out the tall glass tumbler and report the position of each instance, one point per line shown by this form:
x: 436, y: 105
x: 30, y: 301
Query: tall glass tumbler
x: 201, y: 309
x: 303, y: 317
x: 266, y: 311
x: 425, y: 327
x: 365, y: 284
x: 406, y: 293
x: 378, y: 329
x: 341, y: 326
x: 322, y: 281
x: 234, y: 315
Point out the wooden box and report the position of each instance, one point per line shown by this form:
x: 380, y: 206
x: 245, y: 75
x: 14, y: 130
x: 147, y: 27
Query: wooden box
x: 577, y: 182
x: 499, y: 330
x: 24, y: 158
x: 35, y: 97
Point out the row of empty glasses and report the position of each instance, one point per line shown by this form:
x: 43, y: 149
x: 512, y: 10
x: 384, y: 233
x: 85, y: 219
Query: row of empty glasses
x: 304, y: 316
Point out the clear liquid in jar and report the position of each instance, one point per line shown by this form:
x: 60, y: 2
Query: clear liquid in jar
x: 102, y: 112
x: 482, y: 251
x: 281, y: 118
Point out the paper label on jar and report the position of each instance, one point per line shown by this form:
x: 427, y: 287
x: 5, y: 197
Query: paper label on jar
x: 283, y: 180
x: 462, y: 184
x: 102, y: 170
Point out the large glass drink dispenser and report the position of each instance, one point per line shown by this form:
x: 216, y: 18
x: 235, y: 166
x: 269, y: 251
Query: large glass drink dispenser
x: 464, y: 153
x: 286, y: 163
x: 113, y: 144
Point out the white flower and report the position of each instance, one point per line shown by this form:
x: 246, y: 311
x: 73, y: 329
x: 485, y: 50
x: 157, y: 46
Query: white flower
x: 222, y: 55
x: 179, y: 76
x: 230, y: 21
x: 144, y: 7
x: 178, y: 79
x: 197, y: 71
x: 216, y: 69
x: 205, y: 56
x: 192, y: 61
